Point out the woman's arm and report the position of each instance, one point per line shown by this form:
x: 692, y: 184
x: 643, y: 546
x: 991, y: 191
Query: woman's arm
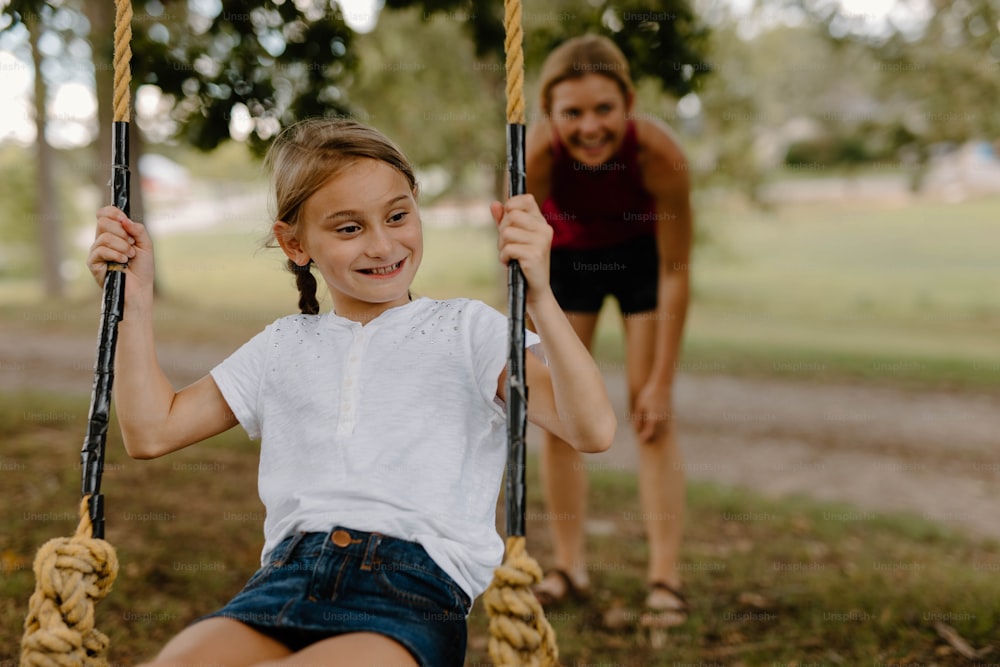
x: 154, y: 419
x: 666, y: 177
x: 567, y: 397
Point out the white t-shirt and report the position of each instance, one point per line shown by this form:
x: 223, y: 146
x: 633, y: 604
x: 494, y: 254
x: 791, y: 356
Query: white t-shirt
x: 392, y: 427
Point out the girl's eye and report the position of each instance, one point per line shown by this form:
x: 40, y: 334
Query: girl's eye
x: 604, y: 109
x: 348, y: 229
x: 398, y: 217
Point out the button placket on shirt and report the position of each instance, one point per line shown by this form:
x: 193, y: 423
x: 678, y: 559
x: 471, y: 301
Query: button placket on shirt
x: 351, y: 385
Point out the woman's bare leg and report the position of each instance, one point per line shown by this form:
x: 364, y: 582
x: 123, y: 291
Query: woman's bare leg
x: 661, y: 473
x: 564, y: 481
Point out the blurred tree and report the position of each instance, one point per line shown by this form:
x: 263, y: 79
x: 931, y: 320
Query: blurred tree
x: 49, y: 221
x: 269, y: 62
x: 443, y: 105
x: 262, y: 63
x: 938, y: 66
x: 662, y: 39
x: 438, y: 65
x: 38, y: 19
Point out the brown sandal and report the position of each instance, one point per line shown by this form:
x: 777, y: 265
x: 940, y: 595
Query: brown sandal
x: 666, y: 617
x: 570, y: 589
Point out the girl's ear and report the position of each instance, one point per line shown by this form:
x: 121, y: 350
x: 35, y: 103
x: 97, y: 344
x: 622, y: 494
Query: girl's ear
x: 284, y: 234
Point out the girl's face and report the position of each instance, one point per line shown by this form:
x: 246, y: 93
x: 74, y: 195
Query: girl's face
x: 590, y: 115
x: 362, y: 230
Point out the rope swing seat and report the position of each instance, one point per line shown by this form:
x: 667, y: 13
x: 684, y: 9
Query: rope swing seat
x: 73, y: 574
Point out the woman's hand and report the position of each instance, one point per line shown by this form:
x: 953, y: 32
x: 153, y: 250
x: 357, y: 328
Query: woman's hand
x: 121, y: 240
x: 524, y: 235
x: 652, y: 412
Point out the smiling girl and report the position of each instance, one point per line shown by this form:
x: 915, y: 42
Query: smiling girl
x: 381, y: 422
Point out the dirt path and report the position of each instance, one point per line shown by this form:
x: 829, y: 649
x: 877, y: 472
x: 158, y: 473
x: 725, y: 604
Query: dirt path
x: 934, y: 454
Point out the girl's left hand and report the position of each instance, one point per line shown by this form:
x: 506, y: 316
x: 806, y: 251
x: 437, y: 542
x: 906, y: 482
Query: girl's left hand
x: 524, y: 235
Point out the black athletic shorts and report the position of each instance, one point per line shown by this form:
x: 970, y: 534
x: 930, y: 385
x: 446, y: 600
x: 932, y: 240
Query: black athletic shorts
x: 581, y: 279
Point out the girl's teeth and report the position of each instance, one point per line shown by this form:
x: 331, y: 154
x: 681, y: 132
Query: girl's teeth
x: 384, y: 270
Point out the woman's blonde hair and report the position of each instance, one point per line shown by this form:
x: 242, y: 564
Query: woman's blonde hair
x: 577, y: 57
x: 304, y: 157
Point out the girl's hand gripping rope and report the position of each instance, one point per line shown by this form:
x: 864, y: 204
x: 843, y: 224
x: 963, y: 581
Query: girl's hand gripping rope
x: 121, y: 240
x: 525, y: 236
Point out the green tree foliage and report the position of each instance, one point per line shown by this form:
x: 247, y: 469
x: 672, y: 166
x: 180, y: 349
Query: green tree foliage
x: 420, y: 80
x: 279, y: 61
x: 938, y: 67
x: 662, y: 39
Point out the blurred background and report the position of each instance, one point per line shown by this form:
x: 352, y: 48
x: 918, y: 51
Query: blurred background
x: 843, y: 153
x: 842, y: 342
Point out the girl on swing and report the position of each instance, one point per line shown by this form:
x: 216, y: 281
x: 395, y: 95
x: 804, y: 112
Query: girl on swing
x: 381, y: 422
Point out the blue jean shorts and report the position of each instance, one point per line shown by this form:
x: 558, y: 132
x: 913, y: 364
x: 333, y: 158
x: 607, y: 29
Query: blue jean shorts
x: 320, y: 585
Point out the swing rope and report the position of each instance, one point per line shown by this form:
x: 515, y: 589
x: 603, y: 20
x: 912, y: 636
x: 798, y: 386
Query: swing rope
x: 520, y: 635
x: 73, y: 574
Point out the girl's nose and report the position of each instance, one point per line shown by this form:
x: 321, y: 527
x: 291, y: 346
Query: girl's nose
x: 379, y: 242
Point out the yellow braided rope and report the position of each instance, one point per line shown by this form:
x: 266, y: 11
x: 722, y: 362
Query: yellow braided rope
x: 515, y: 60
x: 520, y: 636
x: 123, y: 58
x: 71, y: 575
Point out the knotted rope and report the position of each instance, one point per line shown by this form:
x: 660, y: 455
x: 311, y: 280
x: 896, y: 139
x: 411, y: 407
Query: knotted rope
x: 520, y: 635
x: 71, y: 575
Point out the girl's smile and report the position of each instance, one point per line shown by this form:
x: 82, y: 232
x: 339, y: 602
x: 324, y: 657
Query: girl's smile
x: 382, y: 272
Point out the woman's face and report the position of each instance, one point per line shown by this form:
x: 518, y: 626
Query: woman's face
x: 590, y: 115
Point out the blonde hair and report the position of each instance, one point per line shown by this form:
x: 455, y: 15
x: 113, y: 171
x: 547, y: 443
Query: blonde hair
x: 304, y: 157
x: 577, y: 57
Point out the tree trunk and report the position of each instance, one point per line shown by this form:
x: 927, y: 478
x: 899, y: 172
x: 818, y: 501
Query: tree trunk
x: 49, y: 223
x: 101, y: 16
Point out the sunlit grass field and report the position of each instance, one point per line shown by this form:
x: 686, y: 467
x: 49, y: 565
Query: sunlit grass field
x: 893, y: 294
x: 898, y: 295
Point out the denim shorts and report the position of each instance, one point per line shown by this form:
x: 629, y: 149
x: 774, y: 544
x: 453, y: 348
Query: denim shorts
x: 581, y: 279
x: 320, y: 585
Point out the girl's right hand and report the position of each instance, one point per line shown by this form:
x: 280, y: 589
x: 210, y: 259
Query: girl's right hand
x: 120, y: 240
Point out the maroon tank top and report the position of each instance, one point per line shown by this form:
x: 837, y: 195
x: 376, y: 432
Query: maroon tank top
x: 600, y: 206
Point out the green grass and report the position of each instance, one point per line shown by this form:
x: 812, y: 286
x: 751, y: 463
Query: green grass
x: 891, y: 295
x: 894, y: 295
x: 771, y: 582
